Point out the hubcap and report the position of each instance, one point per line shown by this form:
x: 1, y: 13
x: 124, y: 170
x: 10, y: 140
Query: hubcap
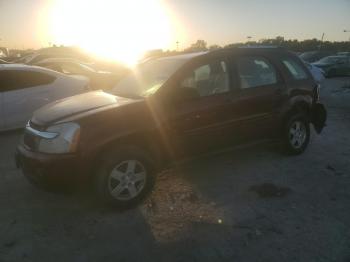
x: 127, y: 180
x: 297, y: 134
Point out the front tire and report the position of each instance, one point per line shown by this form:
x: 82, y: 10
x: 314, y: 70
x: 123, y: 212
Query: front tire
x: 296, y: 134
x: 125, y: 177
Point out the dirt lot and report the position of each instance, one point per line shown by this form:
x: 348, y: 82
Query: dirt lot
x: 252, y: 204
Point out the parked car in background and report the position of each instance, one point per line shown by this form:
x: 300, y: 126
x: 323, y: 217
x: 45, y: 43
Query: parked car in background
x: 4, y: 51
x: 313, y: 56
x: 3, y: 62
x: 317, y: 73
x: 53, y: 52
x: 344, y: 53
x: 98, y: 79
x: 25, y: 88
x: 334, y: 65
x: 166, y: 109
x: 109, y: 66
x: 32, y: 58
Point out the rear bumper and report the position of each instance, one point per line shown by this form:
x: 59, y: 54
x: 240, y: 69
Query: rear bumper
x: 48, y: 169
x: 318, y: 116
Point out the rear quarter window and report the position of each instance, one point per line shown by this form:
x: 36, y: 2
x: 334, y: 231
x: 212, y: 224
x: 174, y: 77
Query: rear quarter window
x: 295, y: 69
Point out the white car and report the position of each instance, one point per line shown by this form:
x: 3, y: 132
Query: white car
x: 23, y: 89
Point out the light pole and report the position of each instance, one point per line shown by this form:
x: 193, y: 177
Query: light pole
x: 320, y: 46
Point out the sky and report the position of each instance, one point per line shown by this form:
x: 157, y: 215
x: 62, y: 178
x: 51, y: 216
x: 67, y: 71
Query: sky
x: 161, y: 23
x: 226, y: 21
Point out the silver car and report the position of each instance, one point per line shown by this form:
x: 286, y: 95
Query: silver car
x: 23, y: 89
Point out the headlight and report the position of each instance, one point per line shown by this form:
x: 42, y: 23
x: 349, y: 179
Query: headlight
x: 62, y: 138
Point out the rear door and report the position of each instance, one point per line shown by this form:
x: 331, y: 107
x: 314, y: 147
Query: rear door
x: 261, y: 95
x: 25, y: 92
x: 204, y: 121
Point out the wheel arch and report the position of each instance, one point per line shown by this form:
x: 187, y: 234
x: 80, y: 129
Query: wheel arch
x: 298, y: 104
x: 140, y: 141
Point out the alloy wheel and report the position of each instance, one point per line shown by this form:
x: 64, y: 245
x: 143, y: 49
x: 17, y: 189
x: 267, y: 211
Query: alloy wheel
x: 297, y: 134
x: 127, y: 180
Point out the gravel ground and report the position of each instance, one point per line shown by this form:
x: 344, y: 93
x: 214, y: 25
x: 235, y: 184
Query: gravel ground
x: 252, y: 204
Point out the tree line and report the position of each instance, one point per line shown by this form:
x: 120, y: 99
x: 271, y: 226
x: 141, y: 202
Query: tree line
x: 290, y: 44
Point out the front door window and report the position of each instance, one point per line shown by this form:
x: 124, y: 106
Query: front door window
x: 208, y: 79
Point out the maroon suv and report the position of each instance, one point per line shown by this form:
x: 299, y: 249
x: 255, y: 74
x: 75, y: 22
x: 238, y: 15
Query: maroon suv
x: 169, y: 108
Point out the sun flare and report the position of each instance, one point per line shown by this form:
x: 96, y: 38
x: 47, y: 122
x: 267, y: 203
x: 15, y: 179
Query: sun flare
x: 119, y: 29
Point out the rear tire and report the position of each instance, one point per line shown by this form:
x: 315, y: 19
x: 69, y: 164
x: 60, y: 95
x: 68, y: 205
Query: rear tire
x: 125, y: 177
x: 296, y: 134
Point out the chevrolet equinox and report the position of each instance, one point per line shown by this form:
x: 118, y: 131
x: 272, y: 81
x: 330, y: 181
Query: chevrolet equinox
x: 170, y: 108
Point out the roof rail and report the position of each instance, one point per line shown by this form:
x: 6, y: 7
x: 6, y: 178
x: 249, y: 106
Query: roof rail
x: 262, y: 46
x: 271, y: 47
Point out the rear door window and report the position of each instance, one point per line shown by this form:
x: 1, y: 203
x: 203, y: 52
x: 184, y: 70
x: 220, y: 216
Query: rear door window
x: 295, y: 69
x: 255, y: 72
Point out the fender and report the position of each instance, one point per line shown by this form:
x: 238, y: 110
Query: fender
x: 297, y: 103
x: 316, y: 112
x: 147, y: 138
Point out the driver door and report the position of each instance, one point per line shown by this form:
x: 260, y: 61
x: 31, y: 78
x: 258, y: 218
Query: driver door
x: 203, y: 116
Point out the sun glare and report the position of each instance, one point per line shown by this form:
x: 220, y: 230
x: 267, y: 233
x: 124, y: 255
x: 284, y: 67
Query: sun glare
x: 119, y: 29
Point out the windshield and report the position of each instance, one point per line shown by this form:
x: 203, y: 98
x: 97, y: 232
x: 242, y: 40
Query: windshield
x: 332, y: 60
x: 146, y: 78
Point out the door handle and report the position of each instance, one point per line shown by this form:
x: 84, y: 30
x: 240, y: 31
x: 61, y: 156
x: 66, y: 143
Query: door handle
x: 278, y: 91
x: 231, y: 100
x: 195, y: 117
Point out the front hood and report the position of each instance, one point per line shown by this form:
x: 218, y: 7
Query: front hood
x: 74, y: 105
